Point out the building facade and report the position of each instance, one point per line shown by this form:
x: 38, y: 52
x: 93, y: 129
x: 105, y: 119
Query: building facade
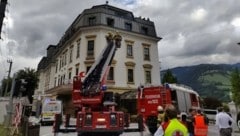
x: 135, y: 63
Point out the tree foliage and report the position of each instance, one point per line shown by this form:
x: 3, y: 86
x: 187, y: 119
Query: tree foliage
x: 235, y: 83
x: 211, y: 103
x: 31, y: 77
x: 168, y: 77
x: 4, y: 86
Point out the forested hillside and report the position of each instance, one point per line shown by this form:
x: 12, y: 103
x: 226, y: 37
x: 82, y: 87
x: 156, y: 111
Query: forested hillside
x: 209, y: 80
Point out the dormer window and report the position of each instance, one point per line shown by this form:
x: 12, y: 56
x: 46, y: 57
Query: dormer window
x: 128, y: 26
x: 92, y: 21
x: 144, y: 30
x: 110, y: 22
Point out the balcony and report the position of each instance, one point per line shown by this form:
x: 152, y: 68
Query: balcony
x: 62, y: 89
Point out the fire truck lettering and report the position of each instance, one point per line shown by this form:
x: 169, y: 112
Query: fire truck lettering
x: 152, y: 96
x: 155, y: 101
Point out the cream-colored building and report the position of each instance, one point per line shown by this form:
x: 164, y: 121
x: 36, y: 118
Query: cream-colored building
x: 135, y: 63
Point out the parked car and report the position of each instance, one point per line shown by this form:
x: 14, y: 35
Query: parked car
x: 211, y: 114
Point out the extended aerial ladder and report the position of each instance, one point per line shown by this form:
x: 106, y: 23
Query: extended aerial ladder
x: 96, y: 106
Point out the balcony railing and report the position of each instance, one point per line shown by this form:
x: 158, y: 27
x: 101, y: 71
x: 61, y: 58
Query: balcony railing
x: 63, y: 88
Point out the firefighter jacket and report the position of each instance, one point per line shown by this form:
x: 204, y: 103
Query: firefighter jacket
x: 200, y: 127
x: 175, y: 128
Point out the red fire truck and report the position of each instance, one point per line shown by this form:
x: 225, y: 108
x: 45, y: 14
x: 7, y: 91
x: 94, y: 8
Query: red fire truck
x: 96, y: 105
x: 150, y: 97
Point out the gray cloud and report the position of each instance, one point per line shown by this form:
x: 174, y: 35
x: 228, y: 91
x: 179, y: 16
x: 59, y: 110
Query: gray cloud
x: 193, y: 32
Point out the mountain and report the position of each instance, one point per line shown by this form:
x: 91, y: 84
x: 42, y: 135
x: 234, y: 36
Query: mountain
x: 209, y: 80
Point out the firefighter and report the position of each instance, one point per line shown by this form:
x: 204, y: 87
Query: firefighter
x: 173, y: 126
x: 190, y: 121
x: 160, y: 114
x: 200, y: 124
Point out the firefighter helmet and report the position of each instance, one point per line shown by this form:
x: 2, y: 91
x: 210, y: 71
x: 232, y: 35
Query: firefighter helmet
x: 160, y: 108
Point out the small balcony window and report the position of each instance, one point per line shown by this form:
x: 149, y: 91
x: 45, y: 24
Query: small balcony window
x: 110, y: 22
x: 144, y: 30
x: 92, y: 21
x: 128, y: 26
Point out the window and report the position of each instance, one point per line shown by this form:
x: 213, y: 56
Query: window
x: 111, y: 74
x: 78, y: 49
x: 128, y: 26
x: 69, y: 75
x: 148, y: 77
x: 110, y: 22
x: 56, y: 66
x: 88, y: 68
x: 76, y: 70
x: 60, y: 62
x: 144, y: 30
x: 65, y: 61
x: 59, y: 80
x: 194, y: 99
x: 92, y: 21
x: 63, y: 78
x: 146, y: 53
x: 130, y: 76
x: 129, y: 51
x: 70, y: 55
x: 55, y: 81
x: 90, y: 48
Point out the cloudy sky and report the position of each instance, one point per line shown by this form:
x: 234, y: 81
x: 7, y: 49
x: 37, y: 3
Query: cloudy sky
x: 193, y: 31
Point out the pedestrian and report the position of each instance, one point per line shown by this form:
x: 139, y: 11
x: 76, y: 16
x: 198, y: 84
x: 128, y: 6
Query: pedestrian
x: 222, y: 121
x: 173, y: 126
x: 184, y: 119
x: 160, y: 115
x: 190, y: 120
x: 200, y: 124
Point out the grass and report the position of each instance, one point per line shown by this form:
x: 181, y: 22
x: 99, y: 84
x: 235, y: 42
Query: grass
x: 3, y: 130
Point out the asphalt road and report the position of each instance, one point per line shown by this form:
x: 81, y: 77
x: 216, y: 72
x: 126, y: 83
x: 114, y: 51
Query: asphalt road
x: 47, y: 131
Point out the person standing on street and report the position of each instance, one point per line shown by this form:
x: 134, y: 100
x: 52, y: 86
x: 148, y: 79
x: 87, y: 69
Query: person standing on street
x: 190, y: 120
x: 173, y: 127
x: 222, y: 121
x: 200, y: 124
x: 160, y: 115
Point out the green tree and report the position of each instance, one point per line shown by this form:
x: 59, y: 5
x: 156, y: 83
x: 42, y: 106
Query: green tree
x: 235, y: 83
x: 31, y: 78
x: 211, y: 103
x: 4, y: 85
x: 168, y: 77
